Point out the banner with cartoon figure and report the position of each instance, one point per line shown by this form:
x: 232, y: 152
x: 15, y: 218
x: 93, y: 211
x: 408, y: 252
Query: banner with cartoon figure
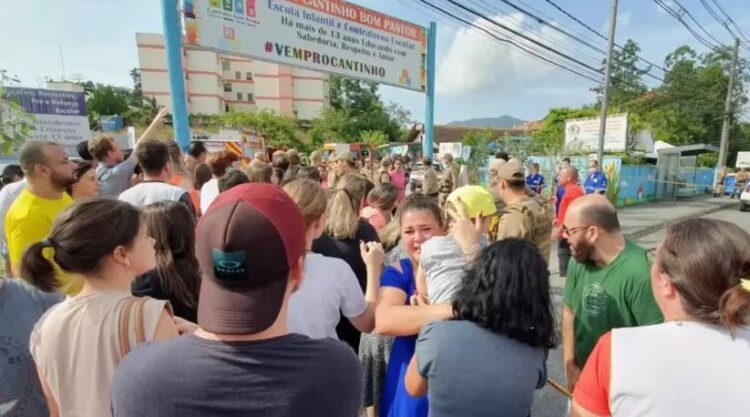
x: 331, y: 36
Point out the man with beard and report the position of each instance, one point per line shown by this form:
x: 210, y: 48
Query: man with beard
x: 608, y: 284
x: 29, y: 219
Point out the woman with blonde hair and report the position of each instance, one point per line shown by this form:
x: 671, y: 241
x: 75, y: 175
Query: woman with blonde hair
x: 696, y: 363
x: 329, y: 288
x: 343, y: 233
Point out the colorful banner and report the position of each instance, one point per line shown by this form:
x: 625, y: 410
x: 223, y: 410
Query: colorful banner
x: 583, y: 134
x: 59, y: 116
x: 330, y: 36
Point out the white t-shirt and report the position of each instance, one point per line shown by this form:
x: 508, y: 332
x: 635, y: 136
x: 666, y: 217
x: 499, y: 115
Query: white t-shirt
x: 328, y: 286
x: 150, y: 192
x: 209, y: 192
x: 686, y: 369
x: 8, y: 195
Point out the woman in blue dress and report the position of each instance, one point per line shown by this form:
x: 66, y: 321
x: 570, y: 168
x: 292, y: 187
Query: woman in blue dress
x: 420, y: 219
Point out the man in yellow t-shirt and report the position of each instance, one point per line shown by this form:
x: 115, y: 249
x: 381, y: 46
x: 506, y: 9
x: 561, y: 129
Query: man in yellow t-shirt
x: 29, y: 219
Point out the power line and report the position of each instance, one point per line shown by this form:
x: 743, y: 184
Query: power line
x: 511, y: 42
x: 568, y: 34
x: 729, y: 19
x: 521, y: 35
x: 587, y: 70
x: 676, y: 14
x: 724, y: 21
x: 599, y: 34
x: 550, y: 39
x: 686, y: 12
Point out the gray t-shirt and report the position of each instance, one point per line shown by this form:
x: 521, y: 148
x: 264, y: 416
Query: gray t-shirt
x: 473, y: 371
x: 20, y: 307
x: 444, y: 266
x: 115, y: 179
x: 287, y: 376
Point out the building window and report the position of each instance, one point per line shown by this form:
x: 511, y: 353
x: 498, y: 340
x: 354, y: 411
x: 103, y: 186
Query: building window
x: 237, y: 75
x: 249, y: 76
x: 239, y: 96
x: 250, y: 97
x: 226, y: 108
x: 225, y: 65
x: 228, y: 87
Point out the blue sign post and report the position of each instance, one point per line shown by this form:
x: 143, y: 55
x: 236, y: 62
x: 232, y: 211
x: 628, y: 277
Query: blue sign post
x: 172, y: 43
x: 429, y: 117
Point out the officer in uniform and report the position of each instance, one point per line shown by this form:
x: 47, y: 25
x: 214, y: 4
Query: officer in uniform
x: 450, y: 178
x: 596, y: 181
x: 526, y: 215
x: 430, y: 186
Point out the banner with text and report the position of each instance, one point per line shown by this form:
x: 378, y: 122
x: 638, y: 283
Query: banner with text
x: 59, y: 116
x: 330, y: 36
x: 583, y: 134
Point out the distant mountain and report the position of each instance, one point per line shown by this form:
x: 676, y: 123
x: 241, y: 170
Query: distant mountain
x: 502, y: 122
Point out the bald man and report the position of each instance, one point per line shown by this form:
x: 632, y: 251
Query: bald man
x: 567, y: 180
x: 608, y: 284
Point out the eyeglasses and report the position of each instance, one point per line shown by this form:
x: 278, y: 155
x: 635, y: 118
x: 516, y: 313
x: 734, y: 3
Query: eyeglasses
x: 566, y: 231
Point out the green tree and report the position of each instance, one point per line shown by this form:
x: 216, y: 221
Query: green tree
x: 279, y: 131
x: 374, y: 138
x: 626, y: 82
x: 105, y: 100
x: 479, y: 141
x: 15, y: 124
x: 331, y: 126
x: 357, y: 108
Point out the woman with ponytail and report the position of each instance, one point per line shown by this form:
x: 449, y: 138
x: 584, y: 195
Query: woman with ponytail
x: 696, y: 363
x: 78, y: 343
x: 176, y: 277
x: 343, y: 233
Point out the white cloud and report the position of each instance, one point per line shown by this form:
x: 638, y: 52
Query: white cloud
x: 623, y: 22
x: 475, y: 62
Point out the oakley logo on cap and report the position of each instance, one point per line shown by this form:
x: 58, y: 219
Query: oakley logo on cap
x: 229, y: 266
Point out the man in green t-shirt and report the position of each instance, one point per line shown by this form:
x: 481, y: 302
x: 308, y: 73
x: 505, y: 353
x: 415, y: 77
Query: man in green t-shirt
x: 608, y: 284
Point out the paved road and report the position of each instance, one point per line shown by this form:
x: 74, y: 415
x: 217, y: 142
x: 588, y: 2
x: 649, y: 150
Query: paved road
x: 648, y: 225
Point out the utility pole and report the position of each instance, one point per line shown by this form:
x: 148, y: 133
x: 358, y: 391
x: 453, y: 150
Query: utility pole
x: 724, y: 146
x: 605, y: 88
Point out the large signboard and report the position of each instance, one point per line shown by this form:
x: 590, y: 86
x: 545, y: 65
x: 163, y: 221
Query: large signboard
x: 59, y: 116
x: 583, y: 134
x: 743, y: 160
x: 331, y: 36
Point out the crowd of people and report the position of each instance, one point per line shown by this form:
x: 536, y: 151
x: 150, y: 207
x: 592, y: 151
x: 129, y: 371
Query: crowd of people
x: 163, y: 284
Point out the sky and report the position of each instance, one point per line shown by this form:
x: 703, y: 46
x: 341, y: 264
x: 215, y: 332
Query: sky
x: 477, y: 76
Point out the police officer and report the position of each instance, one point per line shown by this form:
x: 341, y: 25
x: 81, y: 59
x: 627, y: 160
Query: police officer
x: 596, y: 181
x: 450, y: 178
x: 526, y: 214
x: 430, y: 185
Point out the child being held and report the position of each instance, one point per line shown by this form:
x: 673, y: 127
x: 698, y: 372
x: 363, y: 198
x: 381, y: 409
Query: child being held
x: 442, y: 261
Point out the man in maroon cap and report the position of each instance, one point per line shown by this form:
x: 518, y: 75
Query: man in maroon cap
x: 242, y: 361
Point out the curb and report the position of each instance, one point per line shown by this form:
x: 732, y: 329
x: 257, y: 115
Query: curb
x: 653, y: 228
